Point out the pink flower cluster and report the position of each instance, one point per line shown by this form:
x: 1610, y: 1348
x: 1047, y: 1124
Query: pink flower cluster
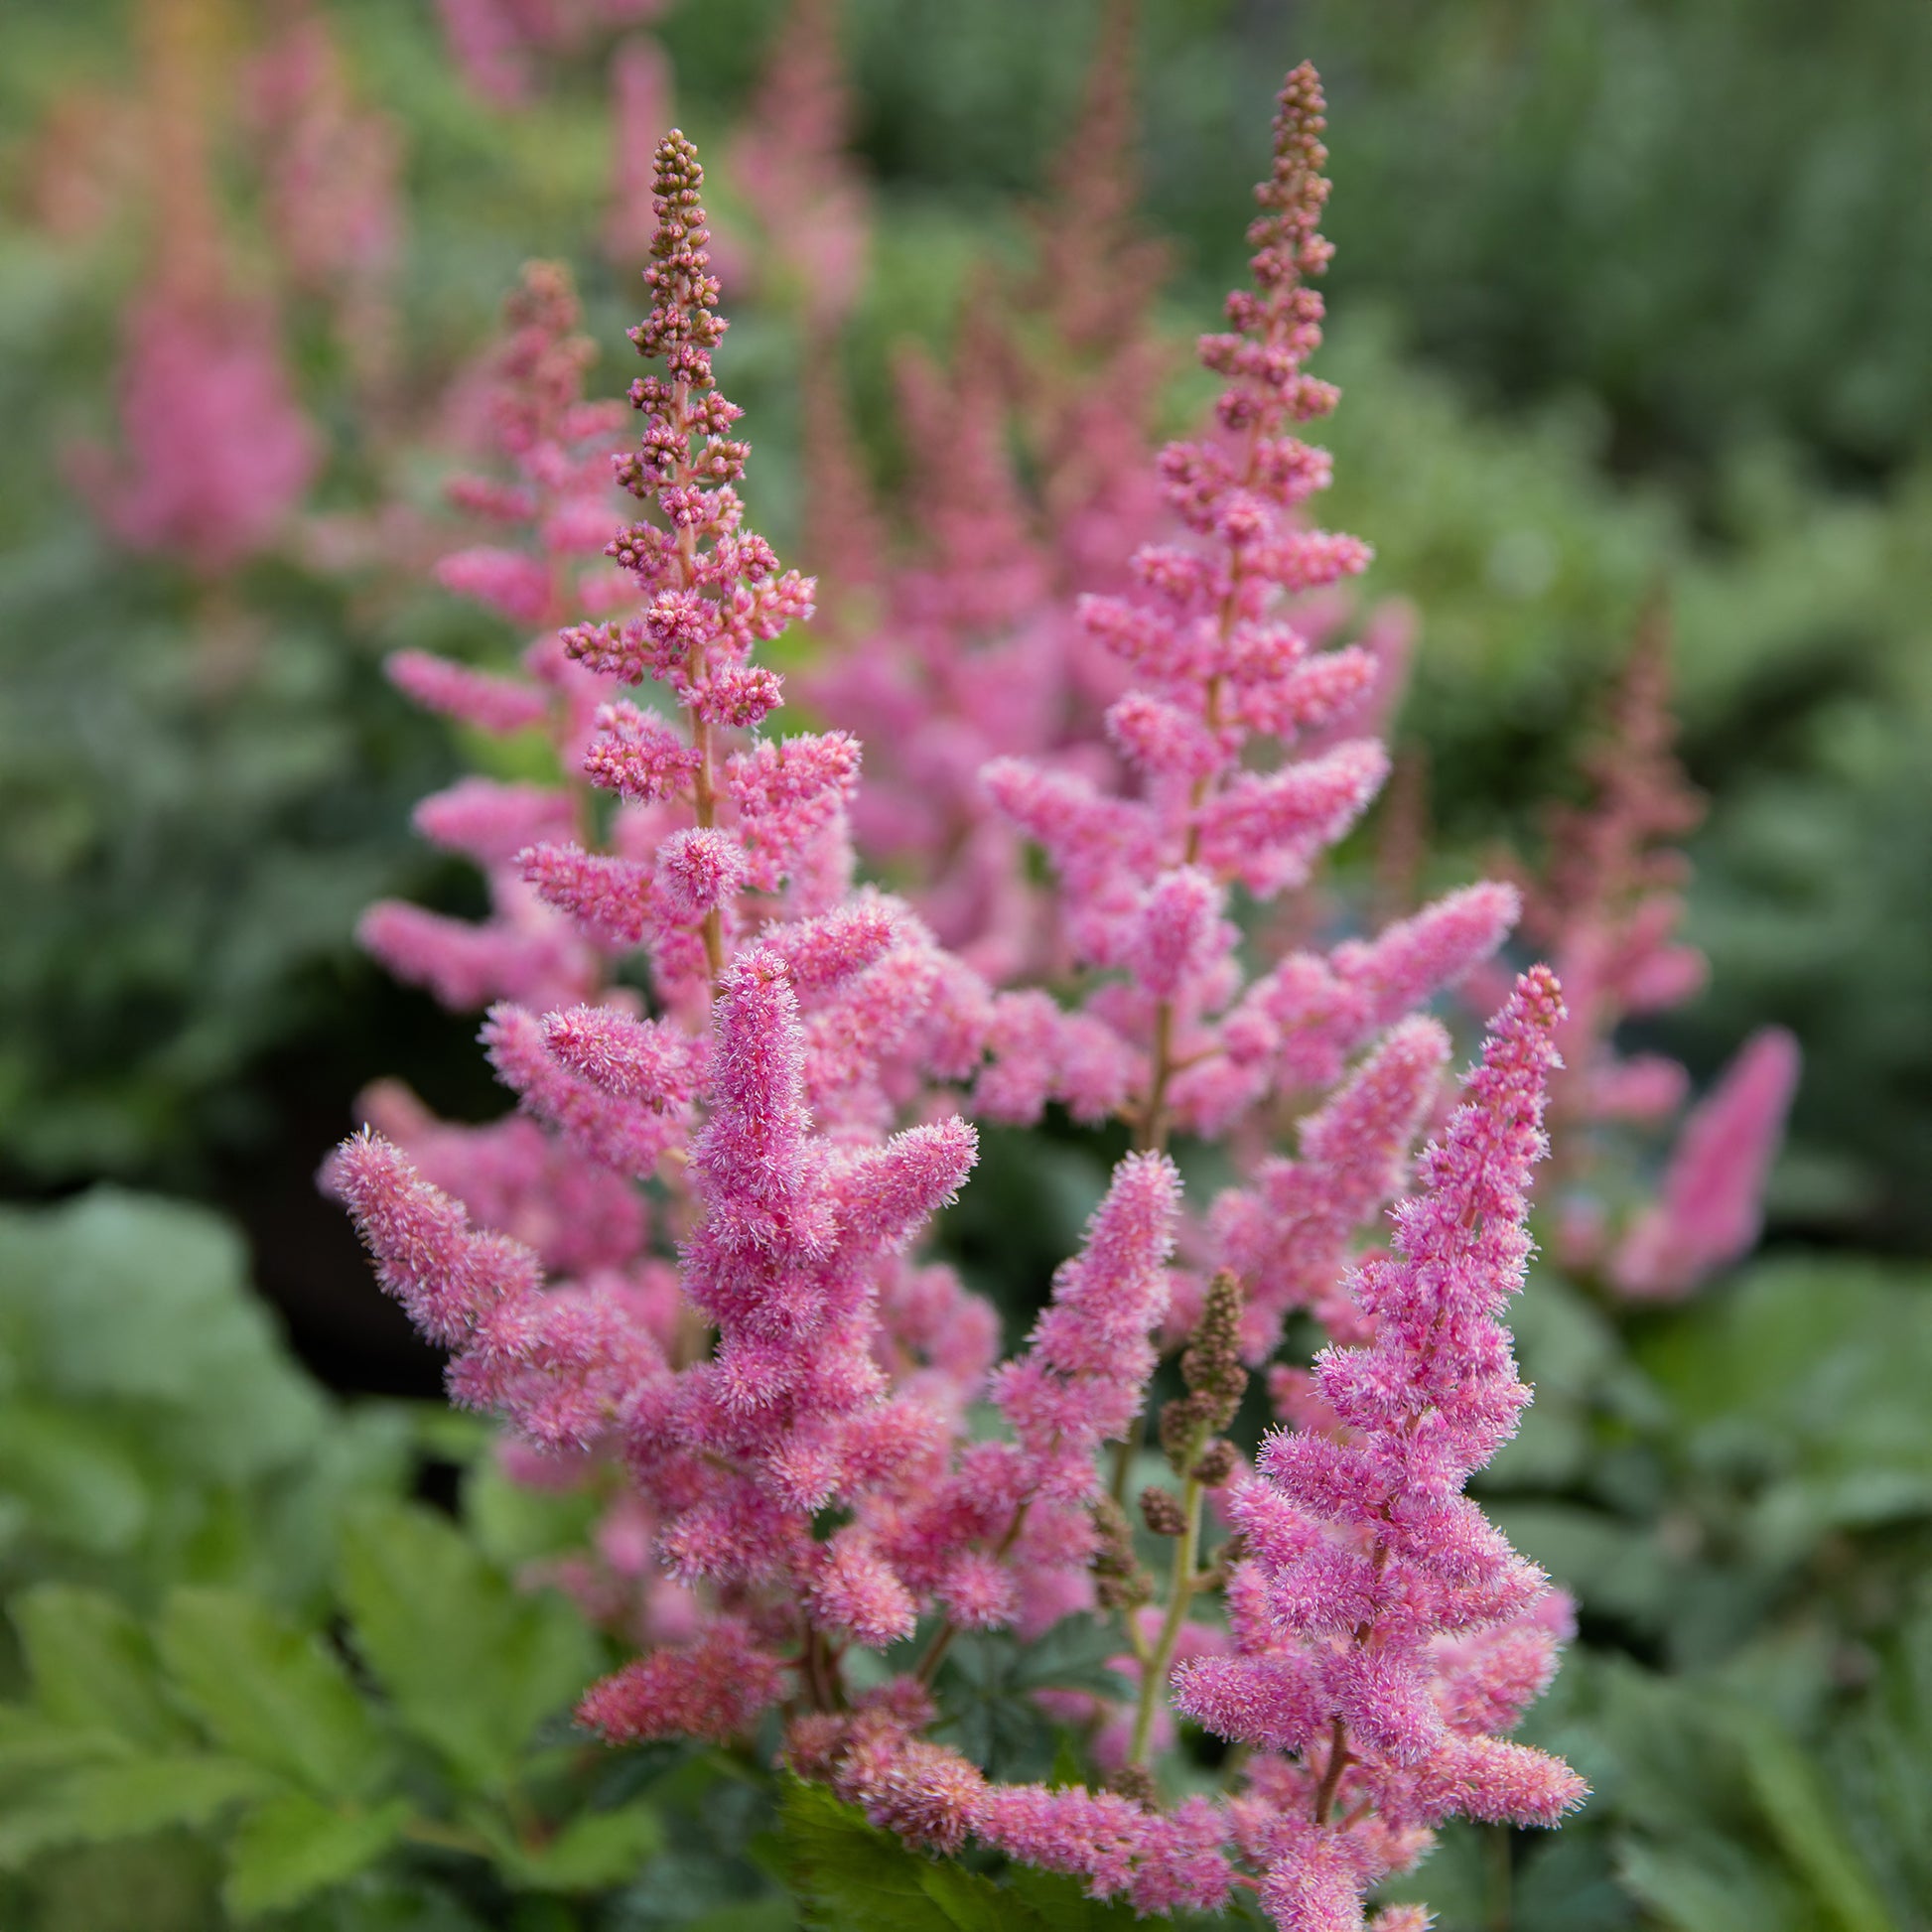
x: 216, y: 450
x: 686, y: 1267
x: 1384, y: 1630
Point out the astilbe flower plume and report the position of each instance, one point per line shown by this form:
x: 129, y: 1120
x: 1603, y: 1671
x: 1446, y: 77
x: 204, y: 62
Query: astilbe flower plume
x: 793, y: 1359
x: 812, y: 209
x: 1375, y: 1597
x: 499, y: 45
x: 330, y: 168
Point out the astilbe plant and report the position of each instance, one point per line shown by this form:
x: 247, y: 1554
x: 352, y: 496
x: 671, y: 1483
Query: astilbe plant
x: 788, y: 1403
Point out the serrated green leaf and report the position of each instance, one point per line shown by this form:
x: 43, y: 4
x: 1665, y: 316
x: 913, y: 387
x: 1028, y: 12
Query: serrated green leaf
x: 270, y: 1692
x: 31, y: 1741
x: 593, y: 1851
x: 92, y: 1666
x: 134, y: 1298
x: 1061, y: 1904
x: 291, y: 1847
x: 101, y: 1802
x: 470, y: 1664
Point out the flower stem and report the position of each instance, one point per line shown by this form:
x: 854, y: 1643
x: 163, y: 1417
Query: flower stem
x: 1154, y: 1672
x: 1339, y: 1761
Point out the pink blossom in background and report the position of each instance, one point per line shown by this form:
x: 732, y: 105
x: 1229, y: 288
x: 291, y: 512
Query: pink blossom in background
x: 332, y: 198
x: 498, y: 45
x: 1710, y: 1210
x: 789, y: 160
x: 812, y: 210
x: 1607, y: 908
x: 215, y: 453
x: 640, y: 105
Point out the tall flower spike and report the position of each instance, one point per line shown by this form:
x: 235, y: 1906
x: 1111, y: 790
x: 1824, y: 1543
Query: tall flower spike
x: 1218, y: 655
x: 1373, y: 1579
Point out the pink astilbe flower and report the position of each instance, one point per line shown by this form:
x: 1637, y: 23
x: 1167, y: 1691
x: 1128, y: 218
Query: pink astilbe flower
x: 500, y: 705
x: 1387, y: 1631
x: 216, y: 451
x: 1287, y: 1232
x: 1083, y: 1376
x: 1217, y: 659
x: 790, y: 160
x: 781, y: 1420
x: 802, y: 1359
x: 715, y: 1688
x: 557, y: 449
x: 1613, y: 890
x: 1710, y: 1210
x: 640, y: 103
x: 498, y: 45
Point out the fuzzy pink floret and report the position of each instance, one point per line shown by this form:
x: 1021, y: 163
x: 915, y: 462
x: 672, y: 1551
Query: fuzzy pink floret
x: 1083, y: 1375
x: 716, y: 1688
x: 489, y: 702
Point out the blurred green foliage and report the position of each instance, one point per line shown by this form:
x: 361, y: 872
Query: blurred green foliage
x: 250, y: 1681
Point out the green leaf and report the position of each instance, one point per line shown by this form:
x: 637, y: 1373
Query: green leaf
x: 133, y: 1298
x: 102, y: 1802
x: 1804, y: 1819
x: 92, y: 1666
x: 72, y: 1487
x: 596, y: 1850
x: 774, y: 1913
x: 851, y: 1876
x: 1613, y: 1565
x: 472, y: 1665
x: 31, y: 1741
x: 1708, y: 1885
x: 271, y: 1692
x: 292, y: 1847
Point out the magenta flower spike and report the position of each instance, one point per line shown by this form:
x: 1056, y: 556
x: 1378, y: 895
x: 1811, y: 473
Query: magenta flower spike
x: 1376, y: 1591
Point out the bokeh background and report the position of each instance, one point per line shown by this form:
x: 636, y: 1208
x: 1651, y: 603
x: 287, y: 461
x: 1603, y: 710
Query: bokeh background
x: 1631, y: 302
